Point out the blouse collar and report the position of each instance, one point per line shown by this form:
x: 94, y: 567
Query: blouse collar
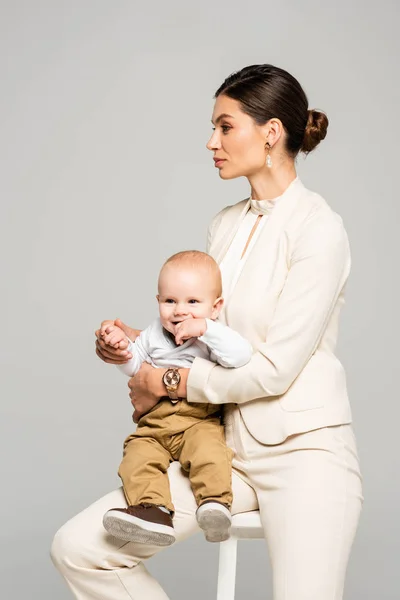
x: 264, y: 207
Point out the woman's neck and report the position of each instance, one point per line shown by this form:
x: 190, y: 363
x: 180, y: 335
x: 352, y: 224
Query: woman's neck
x: 271, y: 183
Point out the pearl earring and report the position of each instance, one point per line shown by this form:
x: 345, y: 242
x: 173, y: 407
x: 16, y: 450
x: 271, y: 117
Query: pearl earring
x: 268, y: 160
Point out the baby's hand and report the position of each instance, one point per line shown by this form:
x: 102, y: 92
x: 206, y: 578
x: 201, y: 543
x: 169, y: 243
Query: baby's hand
x: 188, y: 329
x: 113, y: 336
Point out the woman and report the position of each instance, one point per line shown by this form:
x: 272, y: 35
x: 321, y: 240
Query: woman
x: 285, y: 259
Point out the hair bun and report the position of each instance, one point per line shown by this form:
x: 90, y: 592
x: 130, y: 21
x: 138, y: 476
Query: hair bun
x: 316, y: 128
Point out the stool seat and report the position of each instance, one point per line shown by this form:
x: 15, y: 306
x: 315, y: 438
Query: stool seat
x: 245, y: 526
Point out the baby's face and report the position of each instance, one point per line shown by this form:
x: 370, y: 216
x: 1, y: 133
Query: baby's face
x: 185, y: 293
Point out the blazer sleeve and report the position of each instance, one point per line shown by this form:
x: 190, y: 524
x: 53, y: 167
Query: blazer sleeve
x: 319, y: 267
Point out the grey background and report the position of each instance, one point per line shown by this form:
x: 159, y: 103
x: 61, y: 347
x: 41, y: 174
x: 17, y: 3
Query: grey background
x: 105, y: 113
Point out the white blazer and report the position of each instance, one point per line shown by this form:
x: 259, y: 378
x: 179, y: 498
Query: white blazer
x: 286, y: 302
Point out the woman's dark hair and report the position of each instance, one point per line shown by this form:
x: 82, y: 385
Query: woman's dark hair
x: 264, y: 92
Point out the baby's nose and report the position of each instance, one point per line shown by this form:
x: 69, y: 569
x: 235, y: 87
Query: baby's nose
x: 180, y: 309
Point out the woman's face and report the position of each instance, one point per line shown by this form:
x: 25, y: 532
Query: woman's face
x: 236, y: 139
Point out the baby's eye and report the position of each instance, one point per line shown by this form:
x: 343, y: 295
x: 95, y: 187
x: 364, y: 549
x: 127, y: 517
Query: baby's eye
x: 169, y: 301
x: 193, y: 301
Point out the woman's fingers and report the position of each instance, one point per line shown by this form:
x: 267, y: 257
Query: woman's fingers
x: 113, y: 351
x: 131, y: 392
x: 104, y: 326
x: 107, y: 323
x: 112, y: 338
x: 107, y: 347
x: 108, y: 358
x: 105, y: 359
x: 125, y: 328
x: 131, y: 333
x: 110, y: 355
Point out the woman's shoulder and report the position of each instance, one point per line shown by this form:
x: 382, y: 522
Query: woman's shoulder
x: 313, y: 209
x: 225, y: 215
x: 316, y: 225
x: 309, y: 208
x: 231, y: 209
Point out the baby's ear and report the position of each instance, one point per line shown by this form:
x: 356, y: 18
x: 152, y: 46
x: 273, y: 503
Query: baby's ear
x: 217, y: 307
x: 158, y: 298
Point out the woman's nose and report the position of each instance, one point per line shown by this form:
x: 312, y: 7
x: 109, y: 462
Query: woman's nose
x: 213, y: 143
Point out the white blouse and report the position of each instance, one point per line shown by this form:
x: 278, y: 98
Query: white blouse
x: 232, y: 263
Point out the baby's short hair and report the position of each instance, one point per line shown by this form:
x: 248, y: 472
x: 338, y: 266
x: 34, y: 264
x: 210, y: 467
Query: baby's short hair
x: 194, y: 259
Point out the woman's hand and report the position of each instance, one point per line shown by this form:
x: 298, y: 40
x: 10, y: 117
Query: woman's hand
x: 115, y: 356
x: 146, y: 389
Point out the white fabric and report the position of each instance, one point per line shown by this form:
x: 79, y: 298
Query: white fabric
x: 232, y: 264
x: 219, y: 344
x: 308, y: 490
x: 264, y: 207
x: 307, y: 486
x: 286, y: 302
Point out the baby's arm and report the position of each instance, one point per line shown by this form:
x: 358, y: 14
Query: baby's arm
x: 228, y: 347
x: 139, y: 351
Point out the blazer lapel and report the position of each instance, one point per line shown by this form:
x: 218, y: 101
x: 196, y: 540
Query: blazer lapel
x: 228, y: 229
x: 261, y: 260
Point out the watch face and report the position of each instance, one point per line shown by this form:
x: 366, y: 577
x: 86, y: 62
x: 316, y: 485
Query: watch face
x: 172, y: 378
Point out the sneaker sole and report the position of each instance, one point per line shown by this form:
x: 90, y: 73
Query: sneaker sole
x: 215, y: 524
x: 132, y: 529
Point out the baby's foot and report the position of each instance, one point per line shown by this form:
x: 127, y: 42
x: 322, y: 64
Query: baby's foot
x: 144, y: 524
x: 215, y: 520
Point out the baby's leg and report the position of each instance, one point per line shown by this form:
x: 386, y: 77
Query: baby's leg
x: 97, y: 565
x: 208, y: 460
x: 148, y: 517
x: 143, y: 471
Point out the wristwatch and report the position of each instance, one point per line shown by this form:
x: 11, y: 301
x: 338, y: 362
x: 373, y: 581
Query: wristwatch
x: 171, y: 380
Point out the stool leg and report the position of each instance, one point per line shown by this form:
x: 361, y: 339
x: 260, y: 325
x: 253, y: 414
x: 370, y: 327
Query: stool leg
x: 227, y: 569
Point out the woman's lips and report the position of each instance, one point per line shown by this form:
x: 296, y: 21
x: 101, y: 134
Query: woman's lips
x: 219, y: 162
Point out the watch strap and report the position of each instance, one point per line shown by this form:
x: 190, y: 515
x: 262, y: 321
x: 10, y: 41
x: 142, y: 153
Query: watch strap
x: 173, y: 396
x: 172, y: 390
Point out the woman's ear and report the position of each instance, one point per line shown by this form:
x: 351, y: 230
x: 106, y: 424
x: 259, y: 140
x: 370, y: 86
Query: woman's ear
x: 217, y: 307
x: 273, y: 130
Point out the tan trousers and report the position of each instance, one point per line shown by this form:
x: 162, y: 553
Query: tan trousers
x: 190, y: 434
x: 309, y: 493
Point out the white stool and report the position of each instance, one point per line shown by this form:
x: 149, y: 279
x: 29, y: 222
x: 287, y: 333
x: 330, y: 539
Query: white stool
x: 245, y: 526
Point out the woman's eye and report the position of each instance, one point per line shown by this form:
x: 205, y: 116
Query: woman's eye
x: 225, y: 128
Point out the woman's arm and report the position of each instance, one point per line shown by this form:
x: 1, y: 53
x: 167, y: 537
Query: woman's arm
x: 146, y: 388
x: 319, y: 269
x: 157, y: 386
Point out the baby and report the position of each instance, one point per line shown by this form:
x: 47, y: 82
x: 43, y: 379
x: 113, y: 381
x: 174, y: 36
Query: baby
x: 189, y: 299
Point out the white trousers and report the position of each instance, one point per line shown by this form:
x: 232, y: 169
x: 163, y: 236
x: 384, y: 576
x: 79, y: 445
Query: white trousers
x: 309, y: 493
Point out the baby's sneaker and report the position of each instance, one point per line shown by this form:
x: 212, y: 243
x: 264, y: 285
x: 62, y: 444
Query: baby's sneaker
x: 215, y: 520
x: 146, y: 524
